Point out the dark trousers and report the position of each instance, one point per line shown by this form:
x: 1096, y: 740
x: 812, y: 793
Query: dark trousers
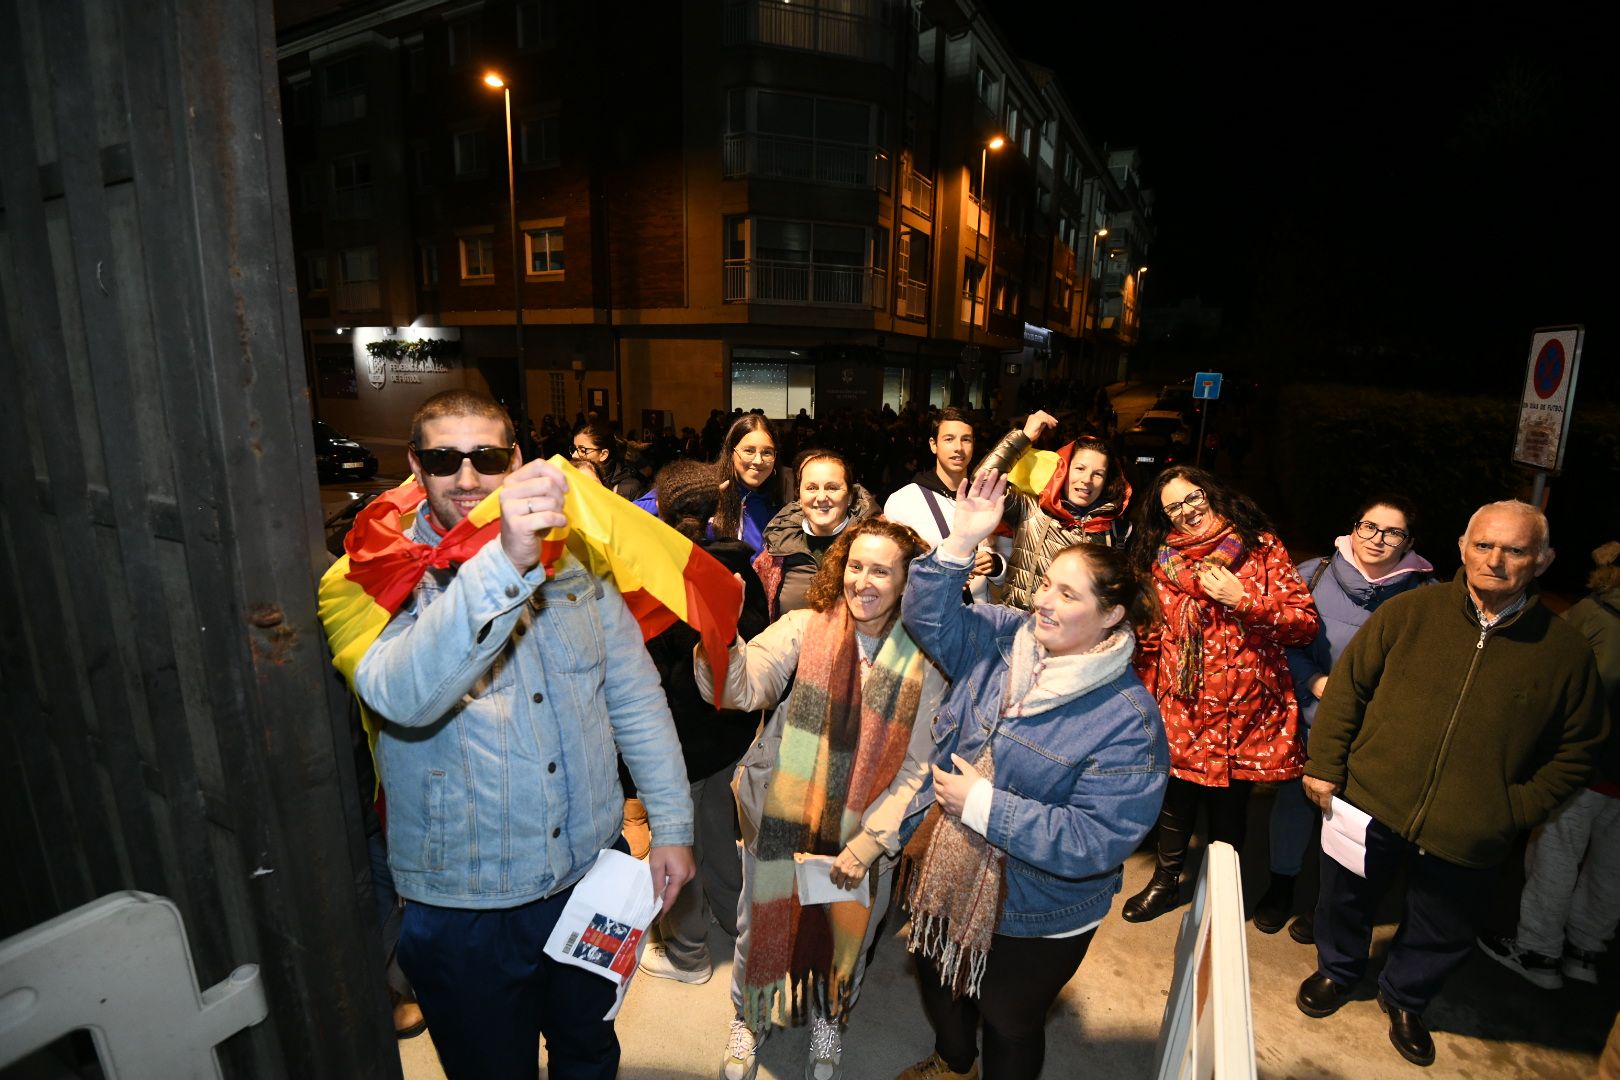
x: 1445, y: 904
x: 1021, y: 981
x: 1228, y: 809
x: 489, y: 992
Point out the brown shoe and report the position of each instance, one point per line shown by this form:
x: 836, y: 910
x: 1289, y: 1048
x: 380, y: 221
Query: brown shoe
x: 637, y: 833
x: 933, y: 1067
x: 408, y: 1020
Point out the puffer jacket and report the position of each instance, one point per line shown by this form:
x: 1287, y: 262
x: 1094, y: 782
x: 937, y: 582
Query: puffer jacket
x: 1076, y: 787
x: 622, y: 480
x: 757, y: 673
x: 1243, y: 723
x: 1038, y: 536
x: 788, y: 565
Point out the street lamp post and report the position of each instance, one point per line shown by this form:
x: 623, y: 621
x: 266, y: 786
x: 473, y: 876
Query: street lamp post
x: 971, y: 353
x: 496, y: 82
x: 1094, y: 296
x: 1141, y: 272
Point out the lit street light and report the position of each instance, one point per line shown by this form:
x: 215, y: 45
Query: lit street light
x: 996, y: 142
x: 495, y: 82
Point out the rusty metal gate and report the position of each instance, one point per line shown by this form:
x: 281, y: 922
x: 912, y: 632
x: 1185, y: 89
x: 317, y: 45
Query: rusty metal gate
x: 170, y: 722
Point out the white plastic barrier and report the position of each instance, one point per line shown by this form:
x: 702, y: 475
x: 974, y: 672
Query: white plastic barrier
x: 1208, y: 1029
x: 120, y: 967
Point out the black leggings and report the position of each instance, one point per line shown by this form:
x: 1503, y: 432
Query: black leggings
x: 1228, y: 809
x: 1021, y: 980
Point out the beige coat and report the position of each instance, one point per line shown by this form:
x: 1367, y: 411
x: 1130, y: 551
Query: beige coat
x: 756, y: 674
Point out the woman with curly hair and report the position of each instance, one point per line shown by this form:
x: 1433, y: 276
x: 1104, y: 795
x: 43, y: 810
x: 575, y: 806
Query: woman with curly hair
x: 1232, y: 603
x: 831, y: 775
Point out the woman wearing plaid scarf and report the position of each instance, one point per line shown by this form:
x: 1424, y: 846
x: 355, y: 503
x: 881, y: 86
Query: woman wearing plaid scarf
x: 831, y: 775
x: 1049, y: 765
x: 1233, y: 602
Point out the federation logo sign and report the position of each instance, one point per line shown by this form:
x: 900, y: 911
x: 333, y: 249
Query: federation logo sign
x: 1549, y: 373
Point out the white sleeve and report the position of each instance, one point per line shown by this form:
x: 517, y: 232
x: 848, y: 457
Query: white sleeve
x: 976, y: 807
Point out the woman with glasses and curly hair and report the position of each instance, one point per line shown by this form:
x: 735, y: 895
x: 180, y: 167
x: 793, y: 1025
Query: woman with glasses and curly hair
x: 1232, y: 603
x: 831, y: 775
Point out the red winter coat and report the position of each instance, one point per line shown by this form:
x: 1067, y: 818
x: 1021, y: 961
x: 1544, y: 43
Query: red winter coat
x: 1244, y: 723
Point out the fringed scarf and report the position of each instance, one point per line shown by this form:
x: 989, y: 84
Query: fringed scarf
x: 843, y: 742
x: 1177, y: 564
x: 1054, y: 500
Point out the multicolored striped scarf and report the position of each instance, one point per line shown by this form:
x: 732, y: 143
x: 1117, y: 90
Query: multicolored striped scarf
x: 843, y: 742
x: 1177, y: 564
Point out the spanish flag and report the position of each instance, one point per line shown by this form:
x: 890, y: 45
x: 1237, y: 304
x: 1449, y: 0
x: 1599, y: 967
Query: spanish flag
x: 661, y: 574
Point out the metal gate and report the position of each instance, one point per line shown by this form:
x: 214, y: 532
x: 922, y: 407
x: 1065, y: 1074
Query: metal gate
x: 170, y: 722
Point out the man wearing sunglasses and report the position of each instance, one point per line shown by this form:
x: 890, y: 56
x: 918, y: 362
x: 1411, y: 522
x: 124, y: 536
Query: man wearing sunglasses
x: 505, y: 693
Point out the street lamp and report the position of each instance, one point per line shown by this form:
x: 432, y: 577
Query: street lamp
x: 495, y: 82
x: 1140, y: 271
x: 996, y: 142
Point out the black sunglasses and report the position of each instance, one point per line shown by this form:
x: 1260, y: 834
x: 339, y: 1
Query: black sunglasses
x: 446, y: 460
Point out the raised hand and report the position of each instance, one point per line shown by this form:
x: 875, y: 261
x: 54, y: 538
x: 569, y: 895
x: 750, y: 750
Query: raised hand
x: 979, y: 503
x: 1038, y: 422
x: 531, y: 503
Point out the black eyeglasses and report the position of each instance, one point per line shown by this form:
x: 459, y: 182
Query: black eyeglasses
x: 1394, y: 537
x: 1195, y: 500
x: 581, y: 450
x: 446, y: 460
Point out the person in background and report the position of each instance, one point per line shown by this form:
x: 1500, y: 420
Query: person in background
x: 1084, y: 502
x: 746, y: 471
x: 1232, y: 602
x: 595, y: 443
x: 832, y: 774
x: 799, y: 535
x: 711, y: 741
x: 1571, y: 900
x: 1048, y: 770
x: 1371, y: 563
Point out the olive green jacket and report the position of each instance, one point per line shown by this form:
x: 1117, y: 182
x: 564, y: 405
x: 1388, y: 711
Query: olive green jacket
x: 1457, y: 738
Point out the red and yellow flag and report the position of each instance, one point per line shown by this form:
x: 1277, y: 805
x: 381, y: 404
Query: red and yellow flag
x: 661, y: 574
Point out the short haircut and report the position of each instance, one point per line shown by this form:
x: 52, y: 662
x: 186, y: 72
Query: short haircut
x: 450, y: 403
x: 949, y: 414
x: 821, y: 453
x: 1538, y: 521
x: 1399, y: 503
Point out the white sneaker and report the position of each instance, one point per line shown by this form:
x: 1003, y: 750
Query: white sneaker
x: 826, y: 1048
x: 741, y: 1061
x: 655, y: 961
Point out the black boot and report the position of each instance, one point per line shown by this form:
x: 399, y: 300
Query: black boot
x: 1276, y: 903
x: 1303, y: 929
x: 1162, y: 894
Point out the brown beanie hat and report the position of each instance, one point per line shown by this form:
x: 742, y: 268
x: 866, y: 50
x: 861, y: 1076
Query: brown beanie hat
x: 687, y: 495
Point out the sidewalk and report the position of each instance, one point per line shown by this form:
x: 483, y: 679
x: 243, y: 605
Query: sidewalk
x: 1488, y: 1023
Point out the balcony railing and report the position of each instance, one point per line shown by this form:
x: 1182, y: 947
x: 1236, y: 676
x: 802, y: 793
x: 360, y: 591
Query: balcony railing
x: 790, y: 158
x: 357, y: 295
x: 352, y: 202
x: 807, y: 26
x: 976, y: 217
x: 776, y: 282
x: 911, y: 299
x: 918, y: 193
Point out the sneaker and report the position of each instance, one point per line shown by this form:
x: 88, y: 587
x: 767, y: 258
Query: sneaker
x: 934, y: 1068
x: 1534, y: 968
x: 742, y: 1061
x: 655, y: 961
x: 825, y: 1050
x: 1580, y: 964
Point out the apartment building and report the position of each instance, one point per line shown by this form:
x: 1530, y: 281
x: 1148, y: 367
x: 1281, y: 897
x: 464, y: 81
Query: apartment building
x: 723, y: 203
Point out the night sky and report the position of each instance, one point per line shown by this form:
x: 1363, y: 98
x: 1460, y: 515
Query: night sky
x: 1419, y: 189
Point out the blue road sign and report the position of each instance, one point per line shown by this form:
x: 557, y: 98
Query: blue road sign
x: 1207, y: 384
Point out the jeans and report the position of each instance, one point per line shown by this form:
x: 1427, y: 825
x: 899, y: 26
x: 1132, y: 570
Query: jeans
x: 1564, y: 899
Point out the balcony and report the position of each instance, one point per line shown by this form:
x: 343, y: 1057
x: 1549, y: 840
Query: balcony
x: 917, y: 193
x: 357, y: 296
x: 809, y: 27
x: 775, y: 282
x: 813, y: 160
x: 976, y: 216
x: 911, y: 299
x: 351, y: 203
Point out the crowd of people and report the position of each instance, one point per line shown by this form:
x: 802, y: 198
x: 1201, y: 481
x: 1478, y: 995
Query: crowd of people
x: 973, y: 683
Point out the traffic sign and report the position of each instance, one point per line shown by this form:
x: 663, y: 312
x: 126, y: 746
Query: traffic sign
x: 1207, y: 385
x: 1549, y: 392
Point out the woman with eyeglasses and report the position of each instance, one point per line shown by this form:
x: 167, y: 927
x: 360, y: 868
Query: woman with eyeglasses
x: 746, y: 473
x: 801, y: 532
x: 1080, y: 498
x: 1368, y: 566
x: 1232, y: 602
x: 594, y: 442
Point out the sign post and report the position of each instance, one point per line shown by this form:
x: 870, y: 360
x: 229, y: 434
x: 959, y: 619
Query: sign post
x: 1206, y: 387
x: 1544, y: 406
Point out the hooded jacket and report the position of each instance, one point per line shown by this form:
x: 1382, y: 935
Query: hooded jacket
x: 789, y: 562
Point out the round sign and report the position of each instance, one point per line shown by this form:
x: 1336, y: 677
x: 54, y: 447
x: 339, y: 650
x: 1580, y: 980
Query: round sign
x: 1549, y: 369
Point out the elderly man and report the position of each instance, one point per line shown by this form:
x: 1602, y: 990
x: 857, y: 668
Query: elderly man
x: 504, y: 691
x: 1459, y: 717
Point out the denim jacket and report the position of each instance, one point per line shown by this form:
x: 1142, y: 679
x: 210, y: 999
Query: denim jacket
x: 504, y: 696
x: 1076, y: 788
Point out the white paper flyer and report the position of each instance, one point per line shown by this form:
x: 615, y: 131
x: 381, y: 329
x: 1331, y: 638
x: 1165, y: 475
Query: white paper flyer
x: 1344, y: 836
x: 603, y: 927
x: 813, y: 876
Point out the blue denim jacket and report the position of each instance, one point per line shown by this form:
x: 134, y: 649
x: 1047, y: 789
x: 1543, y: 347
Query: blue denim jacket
x: 505, y: 694
x: 1076, y: 788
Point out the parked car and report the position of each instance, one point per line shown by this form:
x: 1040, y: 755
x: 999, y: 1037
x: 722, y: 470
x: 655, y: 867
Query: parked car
x: 1178, y: 398
x: 1159, y: 439
x: 338, y: 457
x: 337, y: 526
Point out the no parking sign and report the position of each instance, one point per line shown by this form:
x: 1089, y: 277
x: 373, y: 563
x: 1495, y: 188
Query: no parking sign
x: 1549, y: 393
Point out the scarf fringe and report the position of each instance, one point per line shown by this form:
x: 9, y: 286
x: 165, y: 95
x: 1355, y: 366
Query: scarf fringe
x: 930, y: 937
x: 790, y: 1000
